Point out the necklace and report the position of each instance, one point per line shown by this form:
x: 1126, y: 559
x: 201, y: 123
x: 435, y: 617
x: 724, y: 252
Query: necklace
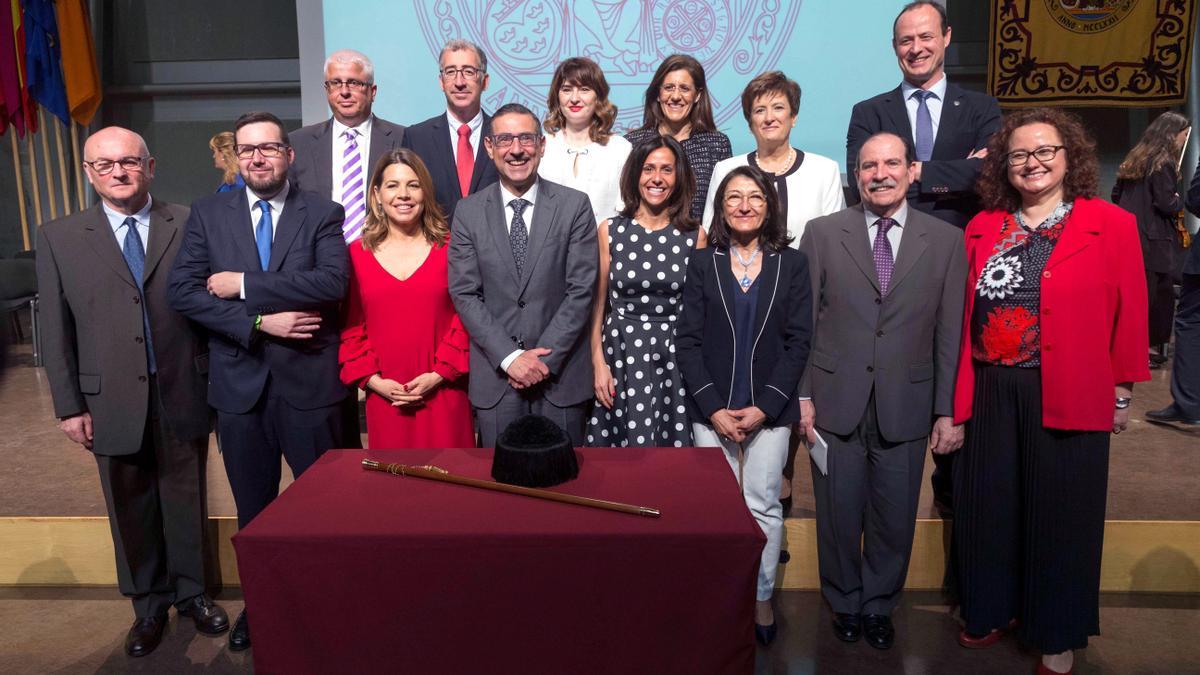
x: 787, y: 163
x: 746, y: 281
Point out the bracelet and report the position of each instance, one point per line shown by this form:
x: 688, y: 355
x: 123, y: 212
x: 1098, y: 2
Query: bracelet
x: 1123, y: 402
x: 258, y: 323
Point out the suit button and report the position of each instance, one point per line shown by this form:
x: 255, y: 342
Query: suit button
x: 1046, y: 274
x: 512, y: 337
x: 521, y: 303
x: 878, y: 301
x: 137, y: 300
x: 1046, y: 311
x: 878, y: 333
x: 141, y: 378
x: 1047, y: 348
x: 521, y: 344
x: 137, y: 340
x: 870, y: 369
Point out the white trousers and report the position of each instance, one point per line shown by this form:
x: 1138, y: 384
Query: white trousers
x: 762, y: 477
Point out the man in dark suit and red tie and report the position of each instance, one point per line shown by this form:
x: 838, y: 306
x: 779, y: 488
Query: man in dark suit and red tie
x: 264, y: 270
x: 127, y: 375
x: 451, y: 144
x: 949, y: 127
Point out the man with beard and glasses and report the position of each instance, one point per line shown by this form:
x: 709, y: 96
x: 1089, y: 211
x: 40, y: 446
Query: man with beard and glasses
x: 264, y: 270
x: 887, y: 283
x: 529, y: 246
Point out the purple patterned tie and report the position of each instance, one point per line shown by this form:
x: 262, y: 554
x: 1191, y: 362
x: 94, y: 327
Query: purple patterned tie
x: 354, y: 197
x: 882, y: 252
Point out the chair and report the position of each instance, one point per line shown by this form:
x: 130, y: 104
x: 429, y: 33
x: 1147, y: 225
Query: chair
x: 18, y: 289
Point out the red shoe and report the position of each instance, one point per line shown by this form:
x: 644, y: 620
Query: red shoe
x: 1043, y: 670
x: 980, y: 642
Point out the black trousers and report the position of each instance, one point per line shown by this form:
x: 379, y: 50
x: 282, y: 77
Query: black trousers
x: 1185, y: 371
x: 157, y: 511
x: 1029, y: 516
x: 1161, y: 291
x: 253, y: 443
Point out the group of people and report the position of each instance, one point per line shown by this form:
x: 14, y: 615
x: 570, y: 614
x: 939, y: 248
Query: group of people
x: 650, y: 290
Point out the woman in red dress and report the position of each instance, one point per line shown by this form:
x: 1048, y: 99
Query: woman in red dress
x: 403, y: 342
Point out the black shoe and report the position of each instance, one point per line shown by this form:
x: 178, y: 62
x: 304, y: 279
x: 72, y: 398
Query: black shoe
x: 765, y: 634
x: 1158, y: 359
x: 847, y: 627
x: 209, y: 618
x: 786, y: 503
x: 879, y: 631
x: 1155, y: 365
x: 239, y: 637
x: 784, y: 556
x: 1171, y: 413
x: 144, y: 635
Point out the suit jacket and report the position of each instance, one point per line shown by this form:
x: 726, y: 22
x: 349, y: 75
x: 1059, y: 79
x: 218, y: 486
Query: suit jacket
x: 947, y: 187
x: 705, y: 343
x: 313, y: 168
x: 548, y: 305
x: 1093, y: 321
x: 1155, y: 202
x: 904, y: 345
x: 93, y: 335
x: 1191, y: 264
x: 431, y: 140
x: 309, y: 270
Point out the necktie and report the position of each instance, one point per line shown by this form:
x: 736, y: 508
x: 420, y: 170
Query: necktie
x: 354, y: 197
x: 465, y: 160
x: 263, y: 234
x: 518, y: 235
x: 135, y: 257
x: 924, y: 126
x: 882, y: 253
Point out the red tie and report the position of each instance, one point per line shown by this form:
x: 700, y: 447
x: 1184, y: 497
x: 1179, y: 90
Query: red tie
x: 466, y: 159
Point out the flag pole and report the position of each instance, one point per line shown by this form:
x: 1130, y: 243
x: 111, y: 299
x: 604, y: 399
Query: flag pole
x: 20, y: 188
x: 33, y: 179
x: 62, y: 164
x: 78, y: 161
x: 46, y: 168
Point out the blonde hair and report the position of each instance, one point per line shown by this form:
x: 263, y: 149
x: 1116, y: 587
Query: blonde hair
x: 433, y: 222
x: 222, y: 144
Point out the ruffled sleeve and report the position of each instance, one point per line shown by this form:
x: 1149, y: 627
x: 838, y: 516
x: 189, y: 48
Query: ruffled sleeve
x: 452, y: 358
x: 356, y: 354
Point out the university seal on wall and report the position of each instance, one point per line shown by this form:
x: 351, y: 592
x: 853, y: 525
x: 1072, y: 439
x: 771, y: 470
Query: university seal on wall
x: 526, y: 39
x: 1089, y: 16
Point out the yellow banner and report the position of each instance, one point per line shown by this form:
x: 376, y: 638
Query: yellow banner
x: 1091, y: 52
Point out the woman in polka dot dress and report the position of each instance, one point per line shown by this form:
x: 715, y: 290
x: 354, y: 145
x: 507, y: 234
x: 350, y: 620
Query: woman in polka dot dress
x: 643, y: 260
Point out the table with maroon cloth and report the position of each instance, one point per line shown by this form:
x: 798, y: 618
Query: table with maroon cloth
x: 361, y: 571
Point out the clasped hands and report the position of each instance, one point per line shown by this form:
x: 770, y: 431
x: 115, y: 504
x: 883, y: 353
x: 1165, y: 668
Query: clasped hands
x: 737, y: 425
x: 528, y: 369
x: 412, y: 393
x: 288, y: 325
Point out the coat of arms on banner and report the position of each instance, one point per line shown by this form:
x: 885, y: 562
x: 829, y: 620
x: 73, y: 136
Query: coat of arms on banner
x: 526, y: 39
x: 1091, y: 52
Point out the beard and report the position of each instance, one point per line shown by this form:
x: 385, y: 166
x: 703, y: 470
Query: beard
x: 268, y: 187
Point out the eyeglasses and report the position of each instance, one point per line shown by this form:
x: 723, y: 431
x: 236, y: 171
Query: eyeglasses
x: 268, y: 150
x: 103, y: 167
x: 671, y: 89
x: 468, y: 72
x: 506, y: 140
x: 352, y: 85
x: 756, y: 201
x: 1046, y: 153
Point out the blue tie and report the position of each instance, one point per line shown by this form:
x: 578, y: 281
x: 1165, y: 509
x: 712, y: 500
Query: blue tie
x: 135, y: 257
x: 263, y: 234
x: 924, y: 126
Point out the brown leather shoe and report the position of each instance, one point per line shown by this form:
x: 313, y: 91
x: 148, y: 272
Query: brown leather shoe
x: 144, y: 635
x: 209, y: 618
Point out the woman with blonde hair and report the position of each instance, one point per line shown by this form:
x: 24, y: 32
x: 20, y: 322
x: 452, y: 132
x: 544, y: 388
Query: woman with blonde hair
x: 403, y: 342
x: 224, y: 160
x: 581, y: 150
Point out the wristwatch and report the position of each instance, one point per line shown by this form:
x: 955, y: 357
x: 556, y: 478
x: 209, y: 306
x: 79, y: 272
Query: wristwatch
x: 1123, y: 402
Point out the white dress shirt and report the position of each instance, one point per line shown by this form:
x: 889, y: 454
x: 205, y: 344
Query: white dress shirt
x: 593, y: 169
x: 117, y: 222
x: 476, y: 125
x: 934, y: 103
x: 894, y: 234
x: 527, y: 216
x: 276, y: 205
x: 363, y: 133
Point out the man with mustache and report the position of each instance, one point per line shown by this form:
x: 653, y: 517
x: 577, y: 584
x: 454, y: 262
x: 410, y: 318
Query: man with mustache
x: 887, y: 285
x: 949, y: 128
x: 529, y: 247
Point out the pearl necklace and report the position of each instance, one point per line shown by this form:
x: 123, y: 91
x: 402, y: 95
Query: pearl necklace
x: 787, y: 163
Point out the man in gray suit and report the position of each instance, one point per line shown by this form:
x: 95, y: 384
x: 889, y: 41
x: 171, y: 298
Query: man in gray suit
x: 335, y: 157
x: 128, y: 375
x: 888, y: 287
x: 528, y: 246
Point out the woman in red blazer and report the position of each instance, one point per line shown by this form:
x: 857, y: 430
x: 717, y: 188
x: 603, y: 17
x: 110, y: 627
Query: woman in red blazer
x: 1056, y: 319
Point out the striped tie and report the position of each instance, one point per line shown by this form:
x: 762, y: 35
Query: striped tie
x: 354, y: 196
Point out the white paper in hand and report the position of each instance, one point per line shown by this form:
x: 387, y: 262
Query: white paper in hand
x: 819, y: 451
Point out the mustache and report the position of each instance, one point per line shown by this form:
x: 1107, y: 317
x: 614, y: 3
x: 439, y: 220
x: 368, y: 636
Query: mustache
x: 880, y: 184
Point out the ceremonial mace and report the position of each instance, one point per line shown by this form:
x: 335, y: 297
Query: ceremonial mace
x: 438, y: 474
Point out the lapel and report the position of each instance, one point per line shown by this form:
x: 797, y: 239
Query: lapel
x: 495, y: 215
x: 952, y: 111
x: 100, y: 237
x: 295, y: 210
x: 913, y: 242
x: 1079, y: 232
x: 544, y: 219
x: 768, y: 276
x: 381, y: 139
x: 442, y: 148
x: 324, y: 170
x: 894, y: 110
x: 722, y: 273
x: 242, y: 229
x: 854, y: 240
x: 163, y: 230
x: 481, y: 157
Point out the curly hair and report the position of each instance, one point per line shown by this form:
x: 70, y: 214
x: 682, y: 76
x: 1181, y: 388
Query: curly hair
x: 222, y: 143
x: 1083, y: 168
x: 433, y: 223
x: 1156, y: 148
x: 581, y: 72
x: 774, y: 235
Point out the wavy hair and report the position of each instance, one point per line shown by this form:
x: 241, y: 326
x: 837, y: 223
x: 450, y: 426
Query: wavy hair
x: 433, y: 222
x: 222, y: 144
x: 773, y: 236
x: 1083, y: 169
x: 1155, y: 149
x: 701, y: 115
x: 581, y: 72
x: 679, y: 203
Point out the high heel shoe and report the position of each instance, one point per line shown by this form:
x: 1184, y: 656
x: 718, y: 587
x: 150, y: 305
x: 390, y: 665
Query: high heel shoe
x: 1043, y: 670
x: 765, y: 635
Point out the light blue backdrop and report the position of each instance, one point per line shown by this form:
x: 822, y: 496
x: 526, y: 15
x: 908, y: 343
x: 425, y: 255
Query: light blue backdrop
x: 838, y: 50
